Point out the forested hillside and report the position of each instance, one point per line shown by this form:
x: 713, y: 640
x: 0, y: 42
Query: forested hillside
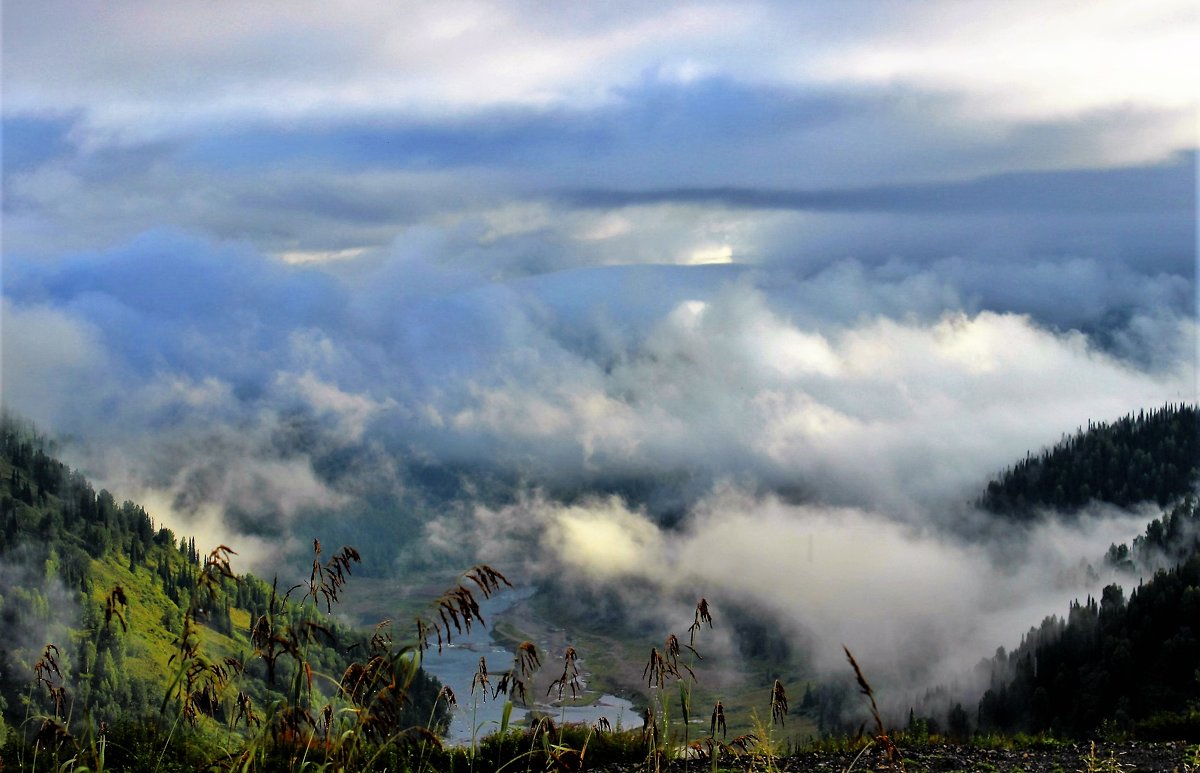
x: 1128, y: 662
x: 1151, y: 456
x: 1129, y: 665
x: 112, y: 626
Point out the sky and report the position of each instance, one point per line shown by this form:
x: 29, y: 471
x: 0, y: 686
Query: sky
x: 786, y: 265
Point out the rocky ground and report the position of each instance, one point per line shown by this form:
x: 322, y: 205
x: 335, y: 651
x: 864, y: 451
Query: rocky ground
x: 1067, y: 758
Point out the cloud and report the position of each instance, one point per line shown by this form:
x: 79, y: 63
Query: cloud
x: 917, y: 605
x: 330, y: 134
x: 218, y: 370
x: 1030, y: 60
x: 49, y: 356
x: 1170, y: 187
x: 291, y: 63
x: 38, y: 610
x: 151, y: 72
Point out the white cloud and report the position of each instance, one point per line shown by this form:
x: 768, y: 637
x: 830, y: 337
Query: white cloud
x: 916, y: 605
x: 721, y: 253
x: 352, y: 412
x: 880, y: 410
x: 48, y: 359
x: 1035, y: 61
x: 156, y: 70
x: 605, y: 540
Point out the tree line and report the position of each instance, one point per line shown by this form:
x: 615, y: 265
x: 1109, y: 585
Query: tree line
x: 1151, y: 456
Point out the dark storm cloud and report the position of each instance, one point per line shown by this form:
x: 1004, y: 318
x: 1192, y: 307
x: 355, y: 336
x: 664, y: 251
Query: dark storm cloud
x: 1159, y: 189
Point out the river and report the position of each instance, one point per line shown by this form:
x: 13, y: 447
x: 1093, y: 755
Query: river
x: 477, y: 716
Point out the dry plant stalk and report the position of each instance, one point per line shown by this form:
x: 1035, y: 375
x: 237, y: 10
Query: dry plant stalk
x: 779, y: 703
x: 270, y: 642
x: 325, y: 580
x: 114, y: 605
x: 480, y: 679
x: 381, y: 639
x: 659, y: 666
x: 881, y: 734
x: 245, y: 711
x: 513, y: 681
x: 718, y: 721
x: 527, y: 660
x: 570, y: 675
x: 198, y: 684
x: 744, y: 743
x: 47, y: 671
x: 457, y: 608
x: 656, y: 669
x: 650, y: 728
x: 702, y: 616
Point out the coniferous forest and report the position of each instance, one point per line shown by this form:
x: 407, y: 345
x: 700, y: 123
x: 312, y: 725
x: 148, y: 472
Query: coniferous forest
x: 1151, y: 457
x: 1127, y: 662
x: 1128, y: 659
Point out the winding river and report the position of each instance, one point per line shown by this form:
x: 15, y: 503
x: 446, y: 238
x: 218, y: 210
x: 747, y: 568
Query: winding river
x: 477, y: 716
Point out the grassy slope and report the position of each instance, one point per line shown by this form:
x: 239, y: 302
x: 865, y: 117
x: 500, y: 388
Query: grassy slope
x: 151, y: 647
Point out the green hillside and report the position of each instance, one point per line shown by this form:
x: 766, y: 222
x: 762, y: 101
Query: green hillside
x: 115, y: 634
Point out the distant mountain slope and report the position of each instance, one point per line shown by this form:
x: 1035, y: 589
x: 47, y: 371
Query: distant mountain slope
x: 109, y: 621
x: 1153, y: 456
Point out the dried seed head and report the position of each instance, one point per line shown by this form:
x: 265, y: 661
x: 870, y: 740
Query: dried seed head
x: 326, y: 580
x: 480, y: 679
x: 865, y: 688
x: 570, y: 675
x: 487, y: 579
x: 457, y: 608
x: 672, y: 647
x: 656, y: 669
x: 702, y: 616
x: 47, y: 664
x: 115, y: 605
x: 512, y: 685
x: 718, y: 721
x: 744, y: 742
x: 327, y: 718
x: 779, y: 703
x: 527, y: 659
x: 381, y: 639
